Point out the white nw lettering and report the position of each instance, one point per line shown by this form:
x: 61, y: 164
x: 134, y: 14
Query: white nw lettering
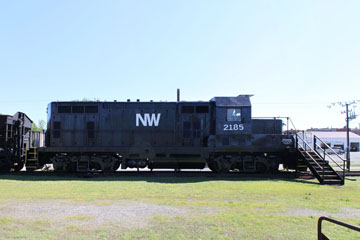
x: 147, y: 120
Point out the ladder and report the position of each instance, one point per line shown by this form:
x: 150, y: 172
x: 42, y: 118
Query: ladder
x: 31, y: 159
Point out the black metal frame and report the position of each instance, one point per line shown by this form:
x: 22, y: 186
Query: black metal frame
x: 322, y: 236
x: 316, y: 146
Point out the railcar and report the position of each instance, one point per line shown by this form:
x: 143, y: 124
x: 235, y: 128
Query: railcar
x: 12, y: 145
x: 220, y: 134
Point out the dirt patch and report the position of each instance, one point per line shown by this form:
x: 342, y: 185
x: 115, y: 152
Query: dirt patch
x: 127, y: 213
x: 304, y: 212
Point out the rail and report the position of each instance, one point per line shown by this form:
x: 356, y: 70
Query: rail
x: 322, y: 236
x: 305, y: 144
x: 316, y: 146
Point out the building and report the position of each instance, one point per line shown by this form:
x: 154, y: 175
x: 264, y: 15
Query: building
x: 334, y: 139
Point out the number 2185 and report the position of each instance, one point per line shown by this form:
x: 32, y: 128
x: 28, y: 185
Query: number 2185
x: 233, y: 127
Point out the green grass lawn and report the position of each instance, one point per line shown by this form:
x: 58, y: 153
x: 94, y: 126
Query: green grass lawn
x: 241, y: 208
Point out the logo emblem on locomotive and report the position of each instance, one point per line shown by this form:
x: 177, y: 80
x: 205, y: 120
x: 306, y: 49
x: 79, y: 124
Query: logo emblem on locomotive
x: 148, y: 121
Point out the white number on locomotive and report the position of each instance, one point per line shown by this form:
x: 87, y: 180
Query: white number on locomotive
x: 233, y: 127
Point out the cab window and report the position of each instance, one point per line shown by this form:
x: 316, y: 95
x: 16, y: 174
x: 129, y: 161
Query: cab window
x: 233, y: 115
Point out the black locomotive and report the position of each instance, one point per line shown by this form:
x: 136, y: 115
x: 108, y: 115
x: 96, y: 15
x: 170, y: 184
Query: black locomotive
x: 12, y: 135
x: 220, y: 134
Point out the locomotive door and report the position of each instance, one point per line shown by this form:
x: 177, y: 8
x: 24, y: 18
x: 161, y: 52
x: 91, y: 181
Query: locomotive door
x: 191, y: 126
x: 192, y: 132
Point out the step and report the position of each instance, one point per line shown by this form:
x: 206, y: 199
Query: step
x: 31, y: 160
x: 32, y: 167
x: 333, y: 181
x: 330, y: 176
x: 325, y: 167
x: 325, y: 171
x: 318, y: 162
x: 316, y: 159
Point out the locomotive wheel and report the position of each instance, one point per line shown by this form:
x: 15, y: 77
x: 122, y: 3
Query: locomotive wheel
x: 70, y: 167
x: 18, y: 167
x: 116, y: 166
x: 220, y: 165
x: 260, y: 167
x: 214, y: 167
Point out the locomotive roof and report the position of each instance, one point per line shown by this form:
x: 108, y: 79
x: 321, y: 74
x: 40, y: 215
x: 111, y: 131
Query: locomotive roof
x: 241, y: 100
x: 9, y: 119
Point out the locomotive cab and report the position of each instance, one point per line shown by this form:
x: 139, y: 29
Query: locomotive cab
x: 232, y: 121
x: 241, y: 142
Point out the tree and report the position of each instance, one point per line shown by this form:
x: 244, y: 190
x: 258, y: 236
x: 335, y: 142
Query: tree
x: 40, y: 127
x: 42, y: 124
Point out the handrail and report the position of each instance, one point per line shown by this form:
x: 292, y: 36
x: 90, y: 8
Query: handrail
x: 308, y: 145
x: 330, y: 156
x: 321, y: 236
x: 292, y: 124
x: 326, y: 154
x: 326, y: 145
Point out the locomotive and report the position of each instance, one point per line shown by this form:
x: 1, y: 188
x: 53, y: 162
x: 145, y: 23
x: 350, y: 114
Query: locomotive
x: 12, y: 132
x: 220, y: 134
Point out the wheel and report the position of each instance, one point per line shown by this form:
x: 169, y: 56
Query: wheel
x: 219, y: 165
x: 18, y: 167
x: 116, y: 166
x: 260, y: 167
x: 213, y: 166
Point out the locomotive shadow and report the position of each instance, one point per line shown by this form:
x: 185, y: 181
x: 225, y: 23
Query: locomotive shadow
x: 156, y: 177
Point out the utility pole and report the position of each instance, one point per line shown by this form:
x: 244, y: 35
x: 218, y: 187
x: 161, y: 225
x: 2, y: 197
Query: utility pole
x: 347, y: 138
x: 350, y: 115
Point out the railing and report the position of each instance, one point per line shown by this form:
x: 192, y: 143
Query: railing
x: 306, y: 145
x: 326, y: 146
x: 322, y: 236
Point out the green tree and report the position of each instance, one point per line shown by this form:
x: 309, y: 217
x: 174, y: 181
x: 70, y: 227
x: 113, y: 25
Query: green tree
x: 40, y: 127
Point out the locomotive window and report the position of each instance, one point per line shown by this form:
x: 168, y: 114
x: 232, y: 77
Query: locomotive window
x: 91, y: 109
x: 233, y: 114
x: 202, y: 109
x: 77, y: 109
x: 187, y: 109
x: 64, y: 109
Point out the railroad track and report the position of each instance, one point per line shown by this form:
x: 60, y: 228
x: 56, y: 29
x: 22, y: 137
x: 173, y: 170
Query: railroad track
x: 157, y: 174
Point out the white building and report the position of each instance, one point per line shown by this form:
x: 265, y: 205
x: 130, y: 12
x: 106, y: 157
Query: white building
x: 334, y: 139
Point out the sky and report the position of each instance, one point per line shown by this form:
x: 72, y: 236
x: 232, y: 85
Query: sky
x: 295, y: 57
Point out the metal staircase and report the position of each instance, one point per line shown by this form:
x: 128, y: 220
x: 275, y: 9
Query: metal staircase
x: 31, y: 159
x: 314, y: 157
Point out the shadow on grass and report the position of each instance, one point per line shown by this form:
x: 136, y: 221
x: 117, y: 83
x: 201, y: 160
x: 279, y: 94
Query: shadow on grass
x: 157, y: 177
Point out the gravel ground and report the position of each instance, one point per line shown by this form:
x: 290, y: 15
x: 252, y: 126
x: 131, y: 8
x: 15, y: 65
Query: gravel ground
x: 304, y: 212
x: 129, y: 213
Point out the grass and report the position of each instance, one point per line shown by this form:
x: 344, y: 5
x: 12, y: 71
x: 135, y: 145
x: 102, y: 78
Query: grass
x: 356, y: 164
x: 243, y: 208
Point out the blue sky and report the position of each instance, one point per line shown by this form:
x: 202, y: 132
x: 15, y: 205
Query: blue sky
x: 296, y: 57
